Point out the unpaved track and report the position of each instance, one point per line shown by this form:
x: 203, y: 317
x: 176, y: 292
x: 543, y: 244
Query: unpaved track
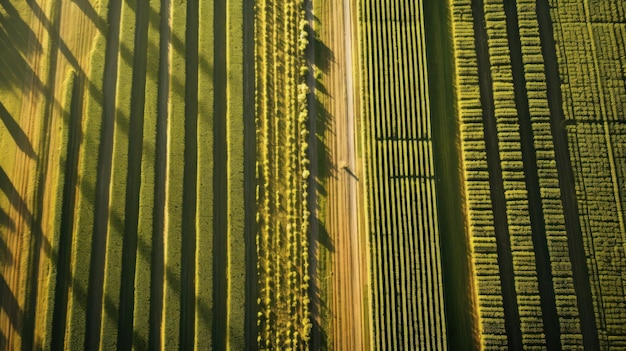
x: 342, y: 208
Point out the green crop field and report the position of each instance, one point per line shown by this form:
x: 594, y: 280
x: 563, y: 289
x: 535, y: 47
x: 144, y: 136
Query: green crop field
x: 313, y: 174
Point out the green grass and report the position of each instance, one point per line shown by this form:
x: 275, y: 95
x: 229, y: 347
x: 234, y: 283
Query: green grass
x: 87, y: 175
x: 204, y: 218
x: 141, y: 312
x: 236, y: 209
x: 117, y: 201
x: 69, y: 115
x: 174, y: 178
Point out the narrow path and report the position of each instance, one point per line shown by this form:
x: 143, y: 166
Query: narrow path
x: 250, y: 157
x: 348, y: 302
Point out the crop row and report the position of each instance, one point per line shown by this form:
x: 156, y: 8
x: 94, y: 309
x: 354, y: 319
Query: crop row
x: 590, y: 40
x: 135, y: 260
x: 480, y: 215
x: 562, y: 280
x: 516, y: 194
x: 282, y: 216
x: 407, y: 296
x: 516, y: 168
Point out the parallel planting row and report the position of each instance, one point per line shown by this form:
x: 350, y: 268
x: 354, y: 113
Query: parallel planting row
x: 591, y: 52
x: 402, y: 222
x: 146, y: 248
x: 282, y: 215
x: 520, y: 151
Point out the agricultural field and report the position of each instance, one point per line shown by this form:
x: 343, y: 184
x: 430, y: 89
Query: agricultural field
x: 134, y: 158
x: 540, y: 140
x: 313, y: 174
x: 407, y: 307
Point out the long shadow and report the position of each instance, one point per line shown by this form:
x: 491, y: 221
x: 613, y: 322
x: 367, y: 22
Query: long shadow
x: 220, y: 180
x: 535, y: 206
x: 25, y: 327
x: 6, y: 256
x: 92, y: 14
x: 177, y: 43
x: 457, y: 278
x: 59, y: 314
x: 105, y: 156
x: 20, y: 138
x: 498, y: 201
x: 167, y: 272
x: 38, y: 240
x: 322, y: 119
x: 322, y: 53
x: 133, y: 178
x: 6, y: 221
x: 10, y: 305
x: 567, y: 185
x: 160, y: 169
x: 319, y: 56
x: 16, y: 37
x: 190, y: 186
x: 7, y: 187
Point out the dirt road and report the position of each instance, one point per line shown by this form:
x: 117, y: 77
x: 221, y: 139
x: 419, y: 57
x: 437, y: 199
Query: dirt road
x: 348, y: 270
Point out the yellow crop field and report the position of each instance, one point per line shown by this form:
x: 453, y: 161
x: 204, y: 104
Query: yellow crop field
x: 313, y: 175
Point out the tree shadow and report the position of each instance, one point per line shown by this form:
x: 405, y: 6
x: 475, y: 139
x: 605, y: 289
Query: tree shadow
x: 20, y: 138
x: 323, y: 236
x: 320, y: 336
x: 324, y: 56
x: 92, y: 14
x: 17, y: 40
x: 322, y: 120
x: 6, y: 221
x: 10, y: 305
x: 321, y: 244
x: 6, y: 257
x: 88, y: 191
